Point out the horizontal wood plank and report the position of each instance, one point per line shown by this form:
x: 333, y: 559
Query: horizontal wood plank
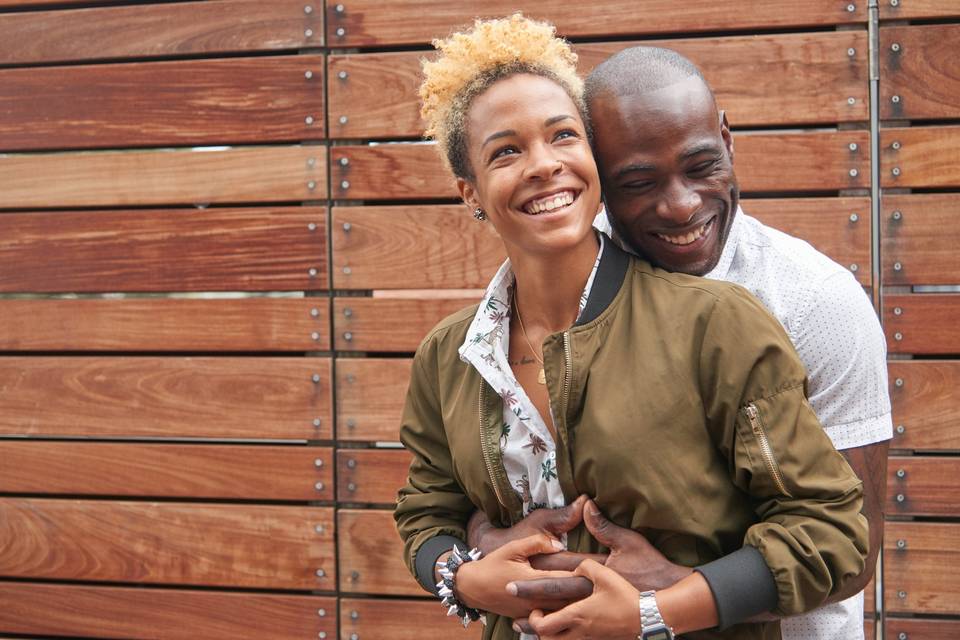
x: 370, y: 397
x: 919, y: 560
x: 273, y: 547
x: 925, y: 397
x: 371, y: 555
x: 251, y: 249
x: 439, y: 247
x: 165, y: 324
x: 923, y: 486
x: 920, y: 157
x: 162, y: 614
x: 370, y: 324
x: 167, y: 470
x: 915, y: 249
x: 384, y: 22
x: 926, y: 324
x: 371, y: 475
x: 805, y: 162
x: 919, y: 68
x: 163, y: 177
x: 907, y: 9
x: 919, y: 629
x: 157, y: 30
x: 390, y: 619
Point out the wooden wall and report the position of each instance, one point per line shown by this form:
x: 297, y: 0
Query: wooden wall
x: 213, y: 274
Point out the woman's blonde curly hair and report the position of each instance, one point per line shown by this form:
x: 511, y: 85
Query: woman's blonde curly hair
x: 470, y: 62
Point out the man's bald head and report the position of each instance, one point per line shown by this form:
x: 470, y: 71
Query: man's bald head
x: 640, y: 70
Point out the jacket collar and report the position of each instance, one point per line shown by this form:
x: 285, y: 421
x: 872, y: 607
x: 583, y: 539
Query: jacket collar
x: 614, y: 262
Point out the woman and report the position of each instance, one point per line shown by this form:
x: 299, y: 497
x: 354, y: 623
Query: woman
x: 674, y: 402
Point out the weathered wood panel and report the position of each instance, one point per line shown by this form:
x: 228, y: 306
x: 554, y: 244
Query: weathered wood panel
x: 177, y: 398
x: 381, y: 22
x: 921, y: 629
x: 371, y: 324
x: 920, y: 157
x: 905, y: 9
x: 413, y: 247
x: 370, y: 396
x: 167, y: 470
x: 919, y: 560
x: 162, y: 614
x: 390, y: 619
x: 225, y: 545
x: 923, y: 486
x: 920, y: 71
x: 165, y: 324
x: 166, y: 176
x: 371, y: 555
x: 371, y: 475
x: 233, y: 100
x: 915, y: 248
x: 158, y: 30
x: 925, y: 323
x: 804, y: 162
x: 925, y: 396
x: 246, y: 249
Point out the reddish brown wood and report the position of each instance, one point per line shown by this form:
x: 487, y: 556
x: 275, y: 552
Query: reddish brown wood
x: 166, y: 250
x: 371, y: 555
x: 920, y: 157
x: 905, y: 9
x: 157, y: 30
x: 919, y: 67
x: 165, y: 324
x: 413, y: 247
x: 162, y: 614
x: 915, y: 248
x: 377, y: 618
x: 922, y: 629
x: 919, y: 560
x: 925, y: 396
x: 371, y: 475
x: 181, y: 176
x: 923, y: 486
x: 927, y: 323
x: 370, y: 396
x: 371, y: 324
x: 167, y: 470
x: 381, y: 22
x: 870, y: 601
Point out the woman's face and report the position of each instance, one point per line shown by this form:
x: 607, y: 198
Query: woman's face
x: 534, y: 174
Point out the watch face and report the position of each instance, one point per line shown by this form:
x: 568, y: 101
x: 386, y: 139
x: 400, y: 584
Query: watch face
x: 657, y: 635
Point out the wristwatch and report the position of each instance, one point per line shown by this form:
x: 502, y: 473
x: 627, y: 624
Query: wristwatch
x: 652, y: 626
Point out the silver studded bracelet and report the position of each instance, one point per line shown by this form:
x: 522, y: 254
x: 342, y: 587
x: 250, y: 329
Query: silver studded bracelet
x: 448, y: 573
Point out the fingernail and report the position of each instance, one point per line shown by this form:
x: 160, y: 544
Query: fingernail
x: 559, y: 546
x: 511, y: 588
x: 517, y: 628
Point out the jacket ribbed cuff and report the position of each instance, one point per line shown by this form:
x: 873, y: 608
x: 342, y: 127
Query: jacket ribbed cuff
x: 427, y: 556
x: 742, y: 585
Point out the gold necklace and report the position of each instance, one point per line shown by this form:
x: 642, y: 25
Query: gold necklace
x: 541, y: 376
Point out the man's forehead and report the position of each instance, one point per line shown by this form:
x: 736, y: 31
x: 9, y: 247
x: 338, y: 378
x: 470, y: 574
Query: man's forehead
x: 686, y: 97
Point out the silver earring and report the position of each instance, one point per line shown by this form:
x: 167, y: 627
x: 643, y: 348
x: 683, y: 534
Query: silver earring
x: 479, y: 214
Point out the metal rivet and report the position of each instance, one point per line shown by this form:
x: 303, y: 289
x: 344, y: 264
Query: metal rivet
x: 897, y: 266
x: 895, y: 46
x: 351, y: 487
x: 354, y: 576
x: 854, y: 268
x: 854, y: 173
x: 311, y: 162
x: 351, y: 463
x: 895, y: 171
x: 344, y: 162
x: 312, y: 226
x: 342, y: 75
x: 308, y: 33
x: 351, y: 423
x: 341, y: 32
x: 351, y: 378
x: 901, y: 594
x: 308, y: 75
x: 894, y: 3
x: 851, y: 101
x: 901, y: 497
x: 312, y: 185
x: 354, y: 615
x: 316, y: 423
x: 316, y: 377
x: 321, y: 573
x: 308, y: 120
x: 901, y: 473
x: 318, y: 462
x: 898, y: 336
x: 348, y: 312
x: 901, y: 543
x: 312, y: 272
x: 851, y: 52
x: 898, y: 382
x: 345, y: 185
x: 895, y: 99
x: 308, y: 9
x: 315, y: 312
x: 901, y: 429
x: 319, y: 528
x: 896, y: 145
x: 854, y: 217
x: 347, y: 271
x: 322, y: 613
x: 851, y: 8
x: 318, y: 486
x: 354, y: 636
x: 339, y: 8
x: 344, y: 119
x: 853, y: 146
x: 897, y: 311
x: 347, y: 226
x: 322, y: 635
x: 348, y: 336
x: 902, y: 635
x: 315, y: 335
x: 897, y: 215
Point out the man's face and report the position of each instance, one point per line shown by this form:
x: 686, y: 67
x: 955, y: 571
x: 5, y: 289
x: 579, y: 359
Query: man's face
x: 666, y: 167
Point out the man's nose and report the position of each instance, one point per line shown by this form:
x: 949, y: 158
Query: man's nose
x: 680, y: 203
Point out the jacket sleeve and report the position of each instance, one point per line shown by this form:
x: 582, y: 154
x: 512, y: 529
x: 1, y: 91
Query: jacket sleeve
x: 810, y: 532
x: 432, y: 509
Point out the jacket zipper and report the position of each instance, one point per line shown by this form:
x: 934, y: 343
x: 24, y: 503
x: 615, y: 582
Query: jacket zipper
x: 765, y: 450
x: 568, y: 357
x: 485, y: 449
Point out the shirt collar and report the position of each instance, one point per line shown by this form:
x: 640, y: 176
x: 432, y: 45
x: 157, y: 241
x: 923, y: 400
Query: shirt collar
x: 719, y: 272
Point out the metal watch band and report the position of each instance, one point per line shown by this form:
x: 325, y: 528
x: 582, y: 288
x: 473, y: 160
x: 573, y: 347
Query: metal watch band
x: 650, y: 618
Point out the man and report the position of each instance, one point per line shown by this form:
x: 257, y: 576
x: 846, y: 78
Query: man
x: 665, y: 155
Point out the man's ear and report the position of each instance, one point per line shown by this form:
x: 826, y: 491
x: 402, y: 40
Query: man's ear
x: 469, y: 194
x: 726, y: 135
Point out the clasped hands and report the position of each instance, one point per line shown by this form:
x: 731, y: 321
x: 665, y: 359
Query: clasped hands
x: 552, y: 593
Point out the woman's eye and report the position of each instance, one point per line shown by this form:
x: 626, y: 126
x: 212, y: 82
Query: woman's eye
x: 566, y: 133
x: 503, y: 151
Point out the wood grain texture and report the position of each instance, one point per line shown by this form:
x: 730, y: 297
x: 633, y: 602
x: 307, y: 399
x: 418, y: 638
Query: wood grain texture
x: 804, y: 162
x: 250, y: 249
x: 924, y: 404
x: 228, y: 101
x: 413, y: 247
x: 391, y: 619
x: 165, y: 324
x: 915, y: 249
x: 922, y: 629
x: 162, y: 614
x: 756, y: 79
x: 167, y: 543
x: 157, y: 30
x: 166, y: 176
x: 371, y: 475
x: 906, y: 9
x: 921, y: 156
x: 166, y: 397
x: 919, y: 66
x: 167, y: 470
x: 371, y: 555
x: 923, y: 570
x: 372, y: 323
x: 927, y: 323
x: 923, y: 486
x: 370, y: 395
x: 382, y: 22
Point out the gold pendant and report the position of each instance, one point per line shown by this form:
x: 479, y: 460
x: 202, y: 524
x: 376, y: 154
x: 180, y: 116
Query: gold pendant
x: 542, y: 377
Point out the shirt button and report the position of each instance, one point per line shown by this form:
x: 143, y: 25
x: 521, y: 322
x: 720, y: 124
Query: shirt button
x: 553, y: 455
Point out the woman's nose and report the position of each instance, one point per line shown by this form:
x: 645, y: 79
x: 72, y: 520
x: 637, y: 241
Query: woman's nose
x: 542, y: 163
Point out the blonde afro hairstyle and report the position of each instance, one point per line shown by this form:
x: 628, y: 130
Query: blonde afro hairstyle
x: 470, y: 62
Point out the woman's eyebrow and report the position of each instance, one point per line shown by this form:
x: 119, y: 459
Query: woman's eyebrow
x: 556, y: 119
x: 499, y: 134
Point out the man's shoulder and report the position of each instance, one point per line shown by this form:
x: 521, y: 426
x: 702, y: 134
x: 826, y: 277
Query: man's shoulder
x: 770, y: 249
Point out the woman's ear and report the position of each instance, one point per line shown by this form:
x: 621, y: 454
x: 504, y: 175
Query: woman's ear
x: 469, y: 194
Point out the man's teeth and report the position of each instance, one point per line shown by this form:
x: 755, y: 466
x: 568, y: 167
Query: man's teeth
x: 684, y: 239
x: 550, y: 203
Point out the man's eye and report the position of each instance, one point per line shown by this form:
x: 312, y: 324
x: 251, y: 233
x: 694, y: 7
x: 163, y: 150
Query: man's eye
x: 703, y: 167
x: 638, y: 185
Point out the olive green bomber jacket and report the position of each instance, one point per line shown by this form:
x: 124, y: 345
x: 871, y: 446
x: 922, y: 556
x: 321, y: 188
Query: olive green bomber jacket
x: 680, y: 409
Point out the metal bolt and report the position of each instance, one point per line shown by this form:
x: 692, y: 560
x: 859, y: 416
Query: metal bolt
x: 308, y: 75
x: 897, y: 215
x: 851, y: 52
x: 897, y: 266
x: 347, y: 270
x: 322, y: 635
x: 316, y: 423
x: 901, y: 543
x: 901, y: 429
x: 312, y: 226
x: 322, y: 613
x: 348, y: 312
x: 315, y: 335
x: 351, y: 423
x: 354, y: 615
x: 344, y: 162
x: 347, y: 226
x: 898, y: 382
x: 308, y: 9
x: 897, y: 311
x: 343, y: 119
x: 895, y: 171
x: 318, y: 486
x: 901, y: 594
x: 342, y: 75
x: 312, y: 185
x: 319, y: 528
x: 851, y: 8
x: 901, y: 497
x: 896, y: 145
x: 351, y: 487
x: 854, y: 217
x: 895, y: 99
x: 341, y: 32
x: 312, y: 272
x: 339, y: 8
x: 311, y: 162
x: 851, y: 101
x: 308, y: 120
x: 315, y: 312
x: 898, y: 336
x: 902, y: 635
x: 351, y: 463
x: 853, y: 146
x: 901, y: 473
x: 854, y: 173
x: 345, y: 185
x: 351, y: 378
x: 354, y: 636
x: 308, y: 33
x: 316, y: 377
x: 354, y: 576
x: 854, y: 268
x: 318, y: 462
x: 348, y: 336
x: 321, y: 573
x: 895, y: 47
x: 894, y: 3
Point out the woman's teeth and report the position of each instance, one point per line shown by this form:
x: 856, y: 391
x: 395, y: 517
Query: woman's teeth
x: 688, y: 238
x: 549, y: 203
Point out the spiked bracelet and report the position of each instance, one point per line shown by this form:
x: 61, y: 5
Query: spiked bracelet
x: 448, y: 573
